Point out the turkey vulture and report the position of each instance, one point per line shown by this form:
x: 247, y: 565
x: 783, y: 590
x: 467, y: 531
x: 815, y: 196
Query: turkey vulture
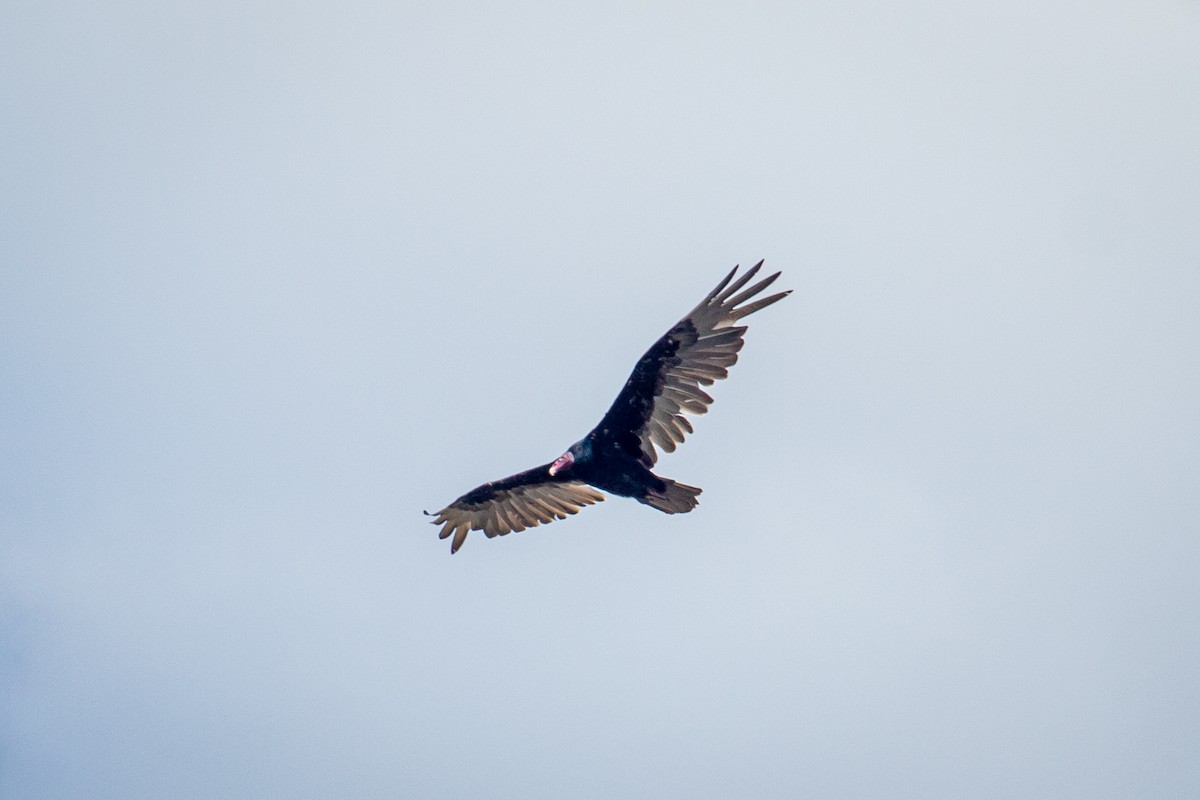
x: 617, y: 455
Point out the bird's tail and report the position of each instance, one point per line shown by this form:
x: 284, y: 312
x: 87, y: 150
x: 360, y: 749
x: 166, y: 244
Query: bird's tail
x: 673, y: 498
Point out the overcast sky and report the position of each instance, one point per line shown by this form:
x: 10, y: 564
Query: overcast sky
x: 273, y: 279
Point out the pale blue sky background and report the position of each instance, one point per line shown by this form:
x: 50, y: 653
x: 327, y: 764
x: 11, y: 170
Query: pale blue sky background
x: 274, y: 279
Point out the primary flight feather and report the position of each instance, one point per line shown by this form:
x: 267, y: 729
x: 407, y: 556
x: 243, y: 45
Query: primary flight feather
x: 616, y: 456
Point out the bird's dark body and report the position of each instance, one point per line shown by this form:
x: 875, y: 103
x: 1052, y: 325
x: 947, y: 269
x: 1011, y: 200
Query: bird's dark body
x: 617, y: 455
x: 612, y: 458
x: 615, y: 472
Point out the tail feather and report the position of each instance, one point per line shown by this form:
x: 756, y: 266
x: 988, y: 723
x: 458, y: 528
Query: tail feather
x: 675, y: 498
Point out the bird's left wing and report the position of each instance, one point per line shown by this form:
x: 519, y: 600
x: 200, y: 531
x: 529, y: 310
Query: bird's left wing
x: 666, y: 382
x: 514, y: 503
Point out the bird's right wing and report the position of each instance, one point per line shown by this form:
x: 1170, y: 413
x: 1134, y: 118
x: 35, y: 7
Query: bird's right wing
x: 665, y: 383
x: 515, y: 503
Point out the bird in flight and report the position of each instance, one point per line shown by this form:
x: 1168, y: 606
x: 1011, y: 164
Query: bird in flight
x: 616, y: 456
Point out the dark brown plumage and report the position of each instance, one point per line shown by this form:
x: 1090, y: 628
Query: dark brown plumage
x: 616, y: 456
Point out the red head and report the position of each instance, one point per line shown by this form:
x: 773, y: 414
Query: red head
x: 562, y: 462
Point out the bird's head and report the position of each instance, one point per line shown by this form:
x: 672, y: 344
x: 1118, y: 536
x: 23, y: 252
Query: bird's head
x: 578, y: 451
x: 562, y: 462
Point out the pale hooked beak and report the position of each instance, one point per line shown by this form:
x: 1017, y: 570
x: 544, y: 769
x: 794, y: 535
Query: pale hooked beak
x: 561, y: 463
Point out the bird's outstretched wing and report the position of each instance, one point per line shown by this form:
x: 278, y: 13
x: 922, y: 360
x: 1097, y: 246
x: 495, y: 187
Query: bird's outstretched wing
x: 666, y: 382
x: 515, y: 503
